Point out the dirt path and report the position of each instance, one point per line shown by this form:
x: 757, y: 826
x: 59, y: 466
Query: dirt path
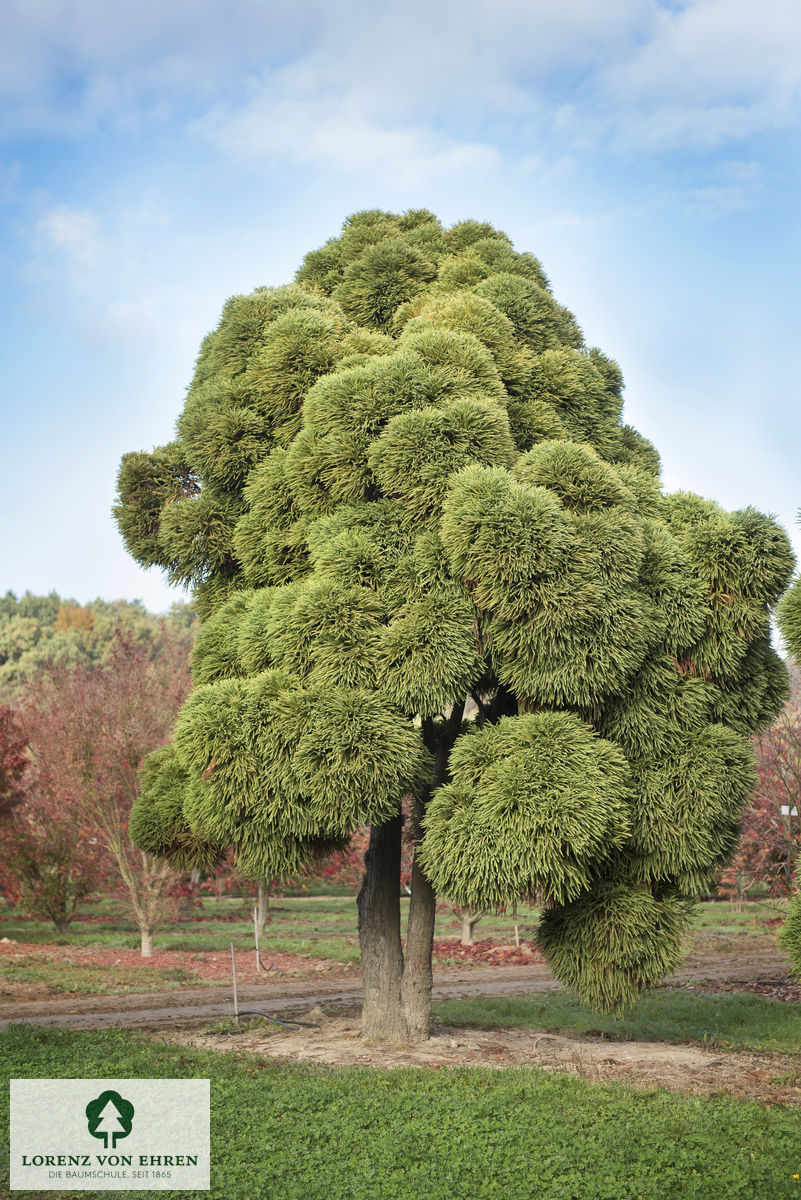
x: 193, y: 1006
x: 756, y: 957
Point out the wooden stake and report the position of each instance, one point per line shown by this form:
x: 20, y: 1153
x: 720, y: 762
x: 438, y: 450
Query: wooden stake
x: 233, y: 974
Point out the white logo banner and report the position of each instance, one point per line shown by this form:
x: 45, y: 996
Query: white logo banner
x: 109, y: 1134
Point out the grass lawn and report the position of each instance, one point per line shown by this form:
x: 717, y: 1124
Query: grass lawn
x: 211, y: 926
x: 289, y: 1133
x: 89, y: 979
x: 733, y: 1020
x: 320, y: 926
x: 317, y: 926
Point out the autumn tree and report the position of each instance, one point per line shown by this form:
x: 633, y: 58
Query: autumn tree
x: 50, y: 857
x: 89, y: 728
x: 14, y: 761
x: 403, y: 484
x: 345, y: 868
x: 770, y: 834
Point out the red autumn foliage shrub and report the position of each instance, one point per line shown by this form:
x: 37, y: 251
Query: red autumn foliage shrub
x: 14, y: 760
x: 771, y: 828
x: 89, y: 727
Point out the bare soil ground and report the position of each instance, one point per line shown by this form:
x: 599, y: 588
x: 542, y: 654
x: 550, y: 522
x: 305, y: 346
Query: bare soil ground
x: 125, y: 971
x: 771, y: 1078
x: 196, y: 1006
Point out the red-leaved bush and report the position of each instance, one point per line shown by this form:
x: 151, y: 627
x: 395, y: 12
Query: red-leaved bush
x: 88, y: 729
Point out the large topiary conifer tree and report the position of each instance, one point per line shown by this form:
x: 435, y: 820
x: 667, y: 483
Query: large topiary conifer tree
x: 432, y: 562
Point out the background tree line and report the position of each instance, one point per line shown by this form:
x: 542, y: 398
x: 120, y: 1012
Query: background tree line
x: 95, y: 690
x: 36, y: 631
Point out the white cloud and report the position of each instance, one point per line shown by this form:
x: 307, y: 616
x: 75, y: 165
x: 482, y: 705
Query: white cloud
x: 627, y: 77
x: 658, y: 75
x: 712, y: 73
x: 74, y: 234
x: 91, y: 57
x: 98, y: 266
x: 70, y: 68
x: 697, y: 127
x: 330, y: 130
x: 731, y: 187
x: 710, y: 51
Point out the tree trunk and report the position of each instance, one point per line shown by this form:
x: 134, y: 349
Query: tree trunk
x: 379, y: 934
x: 470, y: 918
x: 192, y: 893
x: 62, y: 924
x: 263, y: 906
x: 417, y: 973
x: 147, y: 943
x: 397, y: 999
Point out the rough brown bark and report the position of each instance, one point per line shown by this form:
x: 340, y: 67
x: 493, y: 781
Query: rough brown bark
x: 417, y: 975
x: 379, y: 934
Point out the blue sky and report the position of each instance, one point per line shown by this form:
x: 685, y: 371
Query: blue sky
x: 156, y: 158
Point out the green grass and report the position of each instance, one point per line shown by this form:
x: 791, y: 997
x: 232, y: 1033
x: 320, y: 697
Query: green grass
x: 96, y: 980
x: 291, y: 1133
x: 323, y: 926
x: 314, y: 927
x: 319, y: 889
x: 719, y: 917
x: 736, y: 1019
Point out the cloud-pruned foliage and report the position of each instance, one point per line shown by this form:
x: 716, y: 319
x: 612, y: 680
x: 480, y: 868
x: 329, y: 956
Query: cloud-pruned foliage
x: 403, y: 483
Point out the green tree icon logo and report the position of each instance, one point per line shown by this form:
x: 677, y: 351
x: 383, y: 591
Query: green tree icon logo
x: 110, y: 1117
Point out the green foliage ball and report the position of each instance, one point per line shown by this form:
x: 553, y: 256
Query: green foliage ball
x: 613, y: 942
x: 537, y: 802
